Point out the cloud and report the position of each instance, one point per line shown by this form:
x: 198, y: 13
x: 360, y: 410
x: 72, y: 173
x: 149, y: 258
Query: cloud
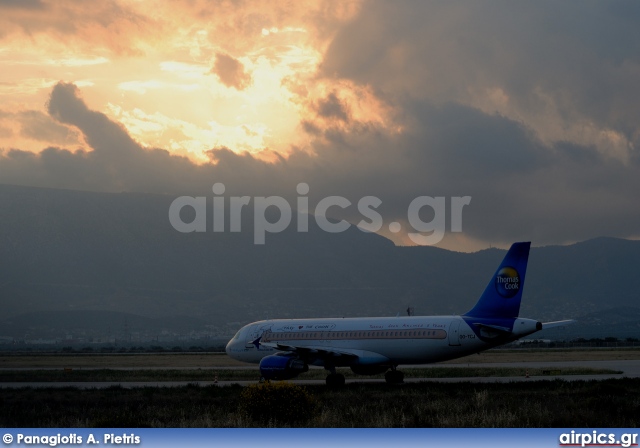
x: 521, y: 188
x: 80, y: 25
x: 332, y: 107
x: 116, y: 162
x: 22, y: 4
x: 231, y: 72
x: 560, y: 69
x: 528, y: 108
x: 33, y: 129
x: 5, y: 132
x: 38, y: 126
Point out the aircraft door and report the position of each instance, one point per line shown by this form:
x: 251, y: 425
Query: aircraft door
x: 454, y: 332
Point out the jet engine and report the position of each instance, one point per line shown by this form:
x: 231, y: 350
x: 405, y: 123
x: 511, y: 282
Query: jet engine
x: 282, y: 367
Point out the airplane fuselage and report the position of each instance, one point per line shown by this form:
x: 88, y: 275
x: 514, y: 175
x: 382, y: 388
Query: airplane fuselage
x: 285, y: 348
x: 376, y: 341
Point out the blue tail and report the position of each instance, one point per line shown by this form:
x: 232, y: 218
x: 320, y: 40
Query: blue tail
x: 501, y: 298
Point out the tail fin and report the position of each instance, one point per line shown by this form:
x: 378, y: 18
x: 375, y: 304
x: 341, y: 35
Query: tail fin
x: 501, y: 298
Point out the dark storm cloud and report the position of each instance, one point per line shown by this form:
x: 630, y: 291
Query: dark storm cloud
x: 231, y: 72
x: 108, y: 139
x: 521, y: 189
x: 332, y: 107
x: 21, y: 4
x: 39, y: 126
x: 584, y: 60
x: 427, y: 60
x: 579, y: 65
x: 36, y: 125
x: 116, y: 162
x: 81, y: 24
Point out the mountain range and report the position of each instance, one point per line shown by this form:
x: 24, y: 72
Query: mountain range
x: 74, y: 261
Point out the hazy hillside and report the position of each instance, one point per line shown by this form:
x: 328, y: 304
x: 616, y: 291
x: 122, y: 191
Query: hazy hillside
x: 67, y: 250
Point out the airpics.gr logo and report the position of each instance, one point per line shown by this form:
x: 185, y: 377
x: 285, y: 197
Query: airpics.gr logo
x: 507, y: 282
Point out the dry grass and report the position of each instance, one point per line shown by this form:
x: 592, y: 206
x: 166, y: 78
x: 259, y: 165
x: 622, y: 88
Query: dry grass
x: 608, y: 403
x: 110, y: 361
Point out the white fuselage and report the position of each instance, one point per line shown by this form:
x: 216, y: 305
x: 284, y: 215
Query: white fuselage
x: 375, y: 341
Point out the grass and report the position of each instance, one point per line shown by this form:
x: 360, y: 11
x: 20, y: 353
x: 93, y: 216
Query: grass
x: 110, y: 375
x: 607, y: 403
x: 168, y: 360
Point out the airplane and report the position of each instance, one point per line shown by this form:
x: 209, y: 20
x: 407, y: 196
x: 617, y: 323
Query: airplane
x: 285, y: 348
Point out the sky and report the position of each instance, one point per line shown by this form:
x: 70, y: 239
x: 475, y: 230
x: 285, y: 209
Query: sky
x: 530, y: 108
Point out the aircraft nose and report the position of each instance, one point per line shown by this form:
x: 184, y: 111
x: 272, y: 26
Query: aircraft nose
x: 228, y: 347
x: 232, y: 345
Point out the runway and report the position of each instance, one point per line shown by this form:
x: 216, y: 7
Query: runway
x: 630, y: 369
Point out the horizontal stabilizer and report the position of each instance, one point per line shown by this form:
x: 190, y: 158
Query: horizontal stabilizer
x: 560, y: 323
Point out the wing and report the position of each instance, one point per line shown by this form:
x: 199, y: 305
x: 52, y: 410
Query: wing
x: 307, y: 351
x: 319, y: 355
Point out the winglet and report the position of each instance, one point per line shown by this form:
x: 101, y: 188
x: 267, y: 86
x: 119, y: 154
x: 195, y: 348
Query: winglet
x: 257, y: 342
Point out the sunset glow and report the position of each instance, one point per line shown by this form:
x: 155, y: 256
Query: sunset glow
x: 156, y: 69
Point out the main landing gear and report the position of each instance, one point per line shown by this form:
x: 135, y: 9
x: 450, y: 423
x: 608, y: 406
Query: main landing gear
x: 334, y: 379
x: 394, y: 376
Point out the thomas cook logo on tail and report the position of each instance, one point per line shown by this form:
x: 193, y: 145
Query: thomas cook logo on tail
x: 507, y: 282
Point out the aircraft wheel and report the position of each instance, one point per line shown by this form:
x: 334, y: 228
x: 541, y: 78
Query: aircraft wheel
x: 394, y: 377
x: 335, y: 380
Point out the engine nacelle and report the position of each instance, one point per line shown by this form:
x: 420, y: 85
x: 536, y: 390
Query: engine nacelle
x: 369, y: 370
x: 282, y: 367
